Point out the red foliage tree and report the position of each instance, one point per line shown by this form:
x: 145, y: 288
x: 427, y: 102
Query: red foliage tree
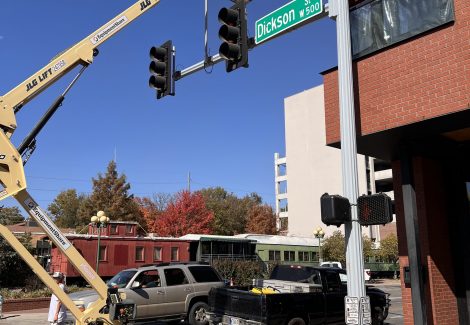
x: 186, y: 214
x: 261, y: 220
x: 149, y: 211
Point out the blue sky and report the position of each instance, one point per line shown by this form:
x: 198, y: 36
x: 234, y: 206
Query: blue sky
x: 223, y: 128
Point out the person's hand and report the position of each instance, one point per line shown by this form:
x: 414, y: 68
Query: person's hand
x: 56, y: 317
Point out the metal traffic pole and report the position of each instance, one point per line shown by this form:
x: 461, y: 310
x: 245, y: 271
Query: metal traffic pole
x: 357, y: 305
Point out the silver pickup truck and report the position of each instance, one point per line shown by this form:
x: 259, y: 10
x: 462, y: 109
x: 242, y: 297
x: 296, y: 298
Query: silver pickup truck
x: 162, y: 292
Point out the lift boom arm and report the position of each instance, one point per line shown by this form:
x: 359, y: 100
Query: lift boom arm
x: 79, y: 54
x: 12, y: 176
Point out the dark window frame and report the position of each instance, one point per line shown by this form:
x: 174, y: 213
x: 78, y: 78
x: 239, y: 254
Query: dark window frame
x: 177, y: 254
x: 143, y: 254
x: 114, y: 229
x: 103, y: 257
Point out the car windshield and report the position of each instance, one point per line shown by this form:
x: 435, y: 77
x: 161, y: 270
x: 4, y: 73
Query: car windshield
x: 121, y: 279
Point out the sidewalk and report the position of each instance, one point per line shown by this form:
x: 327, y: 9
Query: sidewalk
x: 26, y: 317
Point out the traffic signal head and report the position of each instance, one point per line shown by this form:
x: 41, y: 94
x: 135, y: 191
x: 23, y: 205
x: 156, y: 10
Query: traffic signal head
x: 234, y: 37
x: 161, y: 69
x: 335, y: 209
x: 375, y: 209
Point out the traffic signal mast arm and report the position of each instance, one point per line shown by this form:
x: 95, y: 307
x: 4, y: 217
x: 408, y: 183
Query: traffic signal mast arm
x: 12, y: 176
x: 79, y: 54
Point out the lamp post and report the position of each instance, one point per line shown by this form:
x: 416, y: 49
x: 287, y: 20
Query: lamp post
x: 100, y: 221
x: 319, y: 233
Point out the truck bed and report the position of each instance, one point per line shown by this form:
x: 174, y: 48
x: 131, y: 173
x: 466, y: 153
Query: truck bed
x: 265, y: 308
x: 287, y: 286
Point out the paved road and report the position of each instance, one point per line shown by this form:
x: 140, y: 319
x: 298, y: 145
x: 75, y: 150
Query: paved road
x: 395, y: 313
x: 39, y: 316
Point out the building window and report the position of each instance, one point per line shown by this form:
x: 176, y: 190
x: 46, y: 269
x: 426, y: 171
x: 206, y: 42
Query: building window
x: 274, y: 255
x: 129, y: 229
x: 157, y: 253
x: 315, y: 256
x: 304, y: 256
x: 283, y: 223
x: 103, y: 253
x: 139, y: 253
x: 380, y: 23
x: 289, y: 256
x: 113, y: 229
x: 175, y: 256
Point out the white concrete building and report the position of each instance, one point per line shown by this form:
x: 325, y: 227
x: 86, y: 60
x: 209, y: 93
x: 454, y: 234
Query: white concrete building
x: 311, y: 168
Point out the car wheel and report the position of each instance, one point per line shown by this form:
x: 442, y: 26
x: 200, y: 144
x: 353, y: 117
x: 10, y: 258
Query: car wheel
x: 377, y: 316
x: 198, y: 314
x: 296, y: 321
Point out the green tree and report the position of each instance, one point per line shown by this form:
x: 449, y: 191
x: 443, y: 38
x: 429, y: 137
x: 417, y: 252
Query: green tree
x: 388, y: 251
x: 333, y: 248
x: 367, y: 248
x: 230, y: 212
x: 111, y: 195
x: 65, y: 209
x: 10, y: 216
x: 13, y: 270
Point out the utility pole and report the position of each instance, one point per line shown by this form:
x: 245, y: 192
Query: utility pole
x: 356, y: 302
x: 189, y: 182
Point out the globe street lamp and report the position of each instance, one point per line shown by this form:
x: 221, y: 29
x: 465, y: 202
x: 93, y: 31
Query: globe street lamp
x: 319, y: 233
x: 100, y: 221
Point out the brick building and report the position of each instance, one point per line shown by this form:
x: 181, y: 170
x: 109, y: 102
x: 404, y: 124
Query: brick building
x: 411, y: 67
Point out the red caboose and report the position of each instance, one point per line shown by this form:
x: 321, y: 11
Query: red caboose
x: 122, y: 246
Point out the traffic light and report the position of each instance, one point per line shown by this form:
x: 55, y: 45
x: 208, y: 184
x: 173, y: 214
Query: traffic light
x: 234, y: 36
x: 162, y: 69
x: 335, y: 209
x: 375, y: 209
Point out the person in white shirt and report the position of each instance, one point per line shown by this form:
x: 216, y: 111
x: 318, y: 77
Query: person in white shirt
x: 56, y: 308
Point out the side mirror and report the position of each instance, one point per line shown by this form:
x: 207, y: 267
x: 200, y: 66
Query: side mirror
x: 136, y: 284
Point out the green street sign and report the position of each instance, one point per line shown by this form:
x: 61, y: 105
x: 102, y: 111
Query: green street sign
x: 285, y: 17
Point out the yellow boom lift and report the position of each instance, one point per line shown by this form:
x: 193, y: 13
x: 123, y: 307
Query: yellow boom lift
x: 13, y: 180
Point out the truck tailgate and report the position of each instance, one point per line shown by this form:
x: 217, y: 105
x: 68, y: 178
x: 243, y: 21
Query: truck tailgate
x: 238, y: 303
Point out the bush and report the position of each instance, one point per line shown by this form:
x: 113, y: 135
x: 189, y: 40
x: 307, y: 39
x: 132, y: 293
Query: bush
x: 241, y: 272
x: 23, y: 293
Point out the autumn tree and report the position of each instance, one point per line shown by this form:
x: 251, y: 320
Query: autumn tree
x: 261, y: 220
x: 10, y: 216
x: 111, y: 194
x: 230, y: 212
x: 65, y: 209
x: 186, y: 214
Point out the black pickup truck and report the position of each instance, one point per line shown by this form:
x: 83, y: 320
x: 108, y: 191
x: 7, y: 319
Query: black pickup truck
x: 300, y: 295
